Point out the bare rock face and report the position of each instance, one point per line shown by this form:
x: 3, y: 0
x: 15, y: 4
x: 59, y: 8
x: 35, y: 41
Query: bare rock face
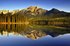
x: 36, y: 11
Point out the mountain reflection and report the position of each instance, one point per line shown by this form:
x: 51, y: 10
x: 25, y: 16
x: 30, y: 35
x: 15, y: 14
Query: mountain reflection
x: 20, y: 29
x: 29, y: 32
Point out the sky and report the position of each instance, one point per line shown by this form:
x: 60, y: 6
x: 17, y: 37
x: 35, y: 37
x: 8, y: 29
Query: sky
x: 63, y: 5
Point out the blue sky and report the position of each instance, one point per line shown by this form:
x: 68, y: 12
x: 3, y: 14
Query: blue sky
x: 45, y: 4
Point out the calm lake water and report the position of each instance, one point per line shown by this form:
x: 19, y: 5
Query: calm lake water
x: 18, y: 35
x: 14, y: 40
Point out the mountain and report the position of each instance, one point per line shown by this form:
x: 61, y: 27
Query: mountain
x: 54, y: 10
x: 57, y: 13
x: 37, y: 11
x: 34, y: 10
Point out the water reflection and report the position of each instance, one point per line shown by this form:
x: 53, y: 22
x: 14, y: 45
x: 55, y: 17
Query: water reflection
x: 33, y: 32
x: 33, y: 27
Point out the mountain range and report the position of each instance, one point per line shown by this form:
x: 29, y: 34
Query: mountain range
x: 34, y: 10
